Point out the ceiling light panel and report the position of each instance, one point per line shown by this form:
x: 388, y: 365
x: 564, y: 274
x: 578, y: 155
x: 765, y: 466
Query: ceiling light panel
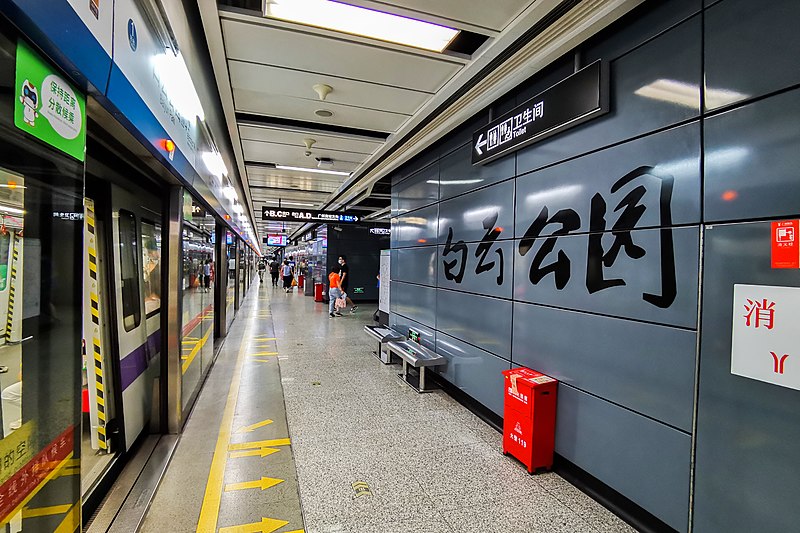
x: 361, y: 21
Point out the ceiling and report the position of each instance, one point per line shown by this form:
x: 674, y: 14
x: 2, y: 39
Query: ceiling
x: 267, y: 71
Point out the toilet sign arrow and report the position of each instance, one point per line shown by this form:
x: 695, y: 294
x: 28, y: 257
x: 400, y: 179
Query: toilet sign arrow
x: 480, y: 144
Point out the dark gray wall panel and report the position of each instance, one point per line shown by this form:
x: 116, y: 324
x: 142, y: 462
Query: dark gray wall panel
x: 751, y: 160
x: 417, y: 191
x: 641, y: 276
x: 479, y: 320
x: 457, y: 175
x: 673, y: 58
x: 747, y: 431
x: 644, y: 367
x: 427, y: 336
x: 415, y: 265
x: 652, y: 19
x: 751, y: 49
x: 417, y: 228
x: 466, y: 214
x: 414, y: 302
x: 496, y: 281
x: 646, y: 461
x: 665, y: 162
x: 474, y: 371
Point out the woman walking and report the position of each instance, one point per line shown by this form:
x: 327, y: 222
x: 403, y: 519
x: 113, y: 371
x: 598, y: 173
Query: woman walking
x: 288, y: 275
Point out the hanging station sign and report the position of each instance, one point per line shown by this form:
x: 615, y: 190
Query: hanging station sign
x: 47, y: 106
x: 307, y: 215
x: 572, y: 101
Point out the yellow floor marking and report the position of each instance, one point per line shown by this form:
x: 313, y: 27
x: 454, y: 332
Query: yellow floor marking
x: 39, y: 487
x: 261, y: 354
x: 199, y: 346
x: 262, y: 452
x: 266, y: 338
x: 71, y: 471
x: 209, y: 513
x: 264, y: 483
x: 261, y: 360
x: 27, y: 512
x: 267, y: 525
x: 253, y: 427
x: 71, y: 522
x: 259, y: 444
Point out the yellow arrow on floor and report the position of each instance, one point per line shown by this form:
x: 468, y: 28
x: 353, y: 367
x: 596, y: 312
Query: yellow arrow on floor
x: 267, y: 525
x: 262, y: 354
x: 263, y: 452
x: 264, y: 483
x: 258, y: 444
x: 253, y: 427
x: 260, y: 338
x: 261, y: 360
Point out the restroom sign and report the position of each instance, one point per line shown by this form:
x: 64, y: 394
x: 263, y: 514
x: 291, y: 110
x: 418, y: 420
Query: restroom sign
x: 785, y: 246
x: 766, y: 338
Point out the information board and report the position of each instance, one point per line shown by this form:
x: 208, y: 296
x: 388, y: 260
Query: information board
x: 307, y: 215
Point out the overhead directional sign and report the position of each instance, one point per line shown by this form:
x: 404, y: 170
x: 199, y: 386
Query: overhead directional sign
x: 574, y: 100
x: 307, y: 215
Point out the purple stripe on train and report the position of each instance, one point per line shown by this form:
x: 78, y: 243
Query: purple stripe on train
x: 135, y: 363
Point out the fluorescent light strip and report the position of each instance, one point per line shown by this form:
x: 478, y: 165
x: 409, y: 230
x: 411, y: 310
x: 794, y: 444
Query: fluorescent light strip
x: 284, y: 202
x: 12, y: 210
x: 312, y: 170
x: 362, y: 21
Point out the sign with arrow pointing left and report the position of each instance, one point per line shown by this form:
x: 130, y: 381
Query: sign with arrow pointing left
x: 576, y: 99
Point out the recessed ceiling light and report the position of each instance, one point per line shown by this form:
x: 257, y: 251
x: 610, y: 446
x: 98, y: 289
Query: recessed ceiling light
x: 325, y: 113
x: 362, y: 21
x: 312, y: 170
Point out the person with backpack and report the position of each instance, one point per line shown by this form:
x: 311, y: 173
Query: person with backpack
x: 262, y: 268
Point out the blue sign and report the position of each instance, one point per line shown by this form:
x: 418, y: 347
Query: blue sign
x: 133, y: 40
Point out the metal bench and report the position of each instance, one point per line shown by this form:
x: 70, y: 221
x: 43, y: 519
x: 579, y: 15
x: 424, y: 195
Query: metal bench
x: 383, y: 335
x: 419, y: 358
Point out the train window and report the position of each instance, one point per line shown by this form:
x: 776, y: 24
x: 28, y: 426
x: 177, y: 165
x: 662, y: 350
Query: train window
x: 151, y: 267
x: 129, y: 270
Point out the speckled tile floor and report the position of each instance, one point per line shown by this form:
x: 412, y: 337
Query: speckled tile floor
x: 430, y: 464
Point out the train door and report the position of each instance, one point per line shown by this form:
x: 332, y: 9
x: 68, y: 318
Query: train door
x: 136, y: 265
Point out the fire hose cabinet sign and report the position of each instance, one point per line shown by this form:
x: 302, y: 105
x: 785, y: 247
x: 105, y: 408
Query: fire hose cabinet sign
x: 529, y: 417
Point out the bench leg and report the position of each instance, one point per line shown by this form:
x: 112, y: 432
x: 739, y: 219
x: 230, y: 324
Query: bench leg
x: 405, y: 370
x: 422, y: 379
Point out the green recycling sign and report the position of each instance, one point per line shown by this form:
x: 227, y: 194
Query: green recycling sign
x: 47, y: 106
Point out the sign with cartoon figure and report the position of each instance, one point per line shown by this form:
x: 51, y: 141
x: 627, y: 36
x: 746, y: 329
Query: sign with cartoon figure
x: 48, y: 107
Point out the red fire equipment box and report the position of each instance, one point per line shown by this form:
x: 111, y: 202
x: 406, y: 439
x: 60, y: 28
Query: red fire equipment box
x: 318, y: 292
x: 529, y: 417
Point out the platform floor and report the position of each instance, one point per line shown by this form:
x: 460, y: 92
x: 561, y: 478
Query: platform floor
x: 365, y: 453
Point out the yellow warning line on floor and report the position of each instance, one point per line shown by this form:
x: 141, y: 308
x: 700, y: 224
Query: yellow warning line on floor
x: 209, y: 513
x: 195, y: 351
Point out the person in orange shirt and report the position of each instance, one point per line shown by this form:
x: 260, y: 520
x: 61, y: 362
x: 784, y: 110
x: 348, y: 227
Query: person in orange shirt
x: 334, y: 291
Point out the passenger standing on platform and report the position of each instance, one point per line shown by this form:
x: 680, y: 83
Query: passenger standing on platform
x: 207, y: 276
x: 262, y: 268
x: 344, y: 274
x: 288, y: 275
x: 274, y: 270
x: 334, y: 291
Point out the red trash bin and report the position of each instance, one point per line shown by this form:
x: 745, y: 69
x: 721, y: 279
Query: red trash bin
x: 300, y: 281
x: 529, y: 417
x: 318, y: 292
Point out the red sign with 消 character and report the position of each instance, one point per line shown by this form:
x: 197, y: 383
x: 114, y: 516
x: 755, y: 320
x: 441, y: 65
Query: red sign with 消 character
x: 785, y: 248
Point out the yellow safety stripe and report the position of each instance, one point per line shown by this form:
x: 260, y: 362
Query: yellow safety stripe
x: 12, y: 285
x: 94, y: 302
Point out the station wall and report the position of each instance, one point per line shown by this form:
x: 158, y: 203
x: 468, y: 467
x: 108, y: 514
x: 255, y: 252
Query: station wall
x: 587, y: 256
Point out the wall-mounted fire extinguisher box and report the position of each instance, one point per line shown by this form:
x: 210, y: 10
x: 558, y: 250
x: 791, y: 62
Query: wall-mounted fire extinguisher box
x: 529, y: 417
